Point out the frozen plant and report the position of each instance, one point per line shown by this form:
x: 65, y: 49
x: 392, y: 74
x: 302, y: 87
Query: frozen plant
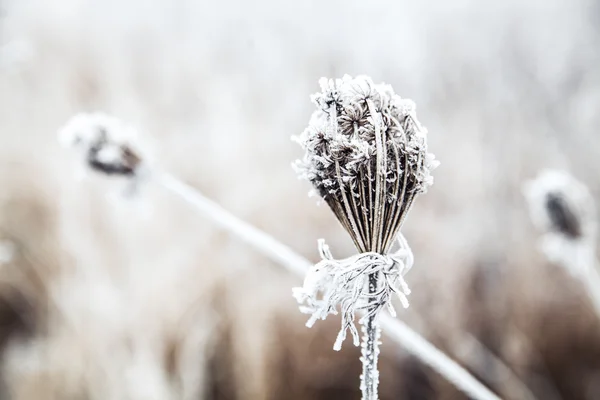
x: 564, y: 209
x: 366, y: 157
x: 106, y: 144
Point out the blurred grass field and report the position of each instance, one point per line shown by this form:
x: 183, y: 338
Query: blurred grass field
x: 143, y: 299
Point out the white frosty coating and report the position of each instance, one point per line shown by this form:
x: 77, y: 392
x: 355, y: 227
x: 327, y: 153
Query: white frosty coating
x: 105, y: 142
x: 369, y: 379
x: 109, y: 154
x: 343, y: 281
x: 577, y: 218
x: 85, y: 129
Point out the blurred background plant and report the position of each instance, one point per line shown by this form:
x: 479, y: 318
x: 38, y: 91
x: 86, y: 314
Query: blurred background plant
x: 144, y: 299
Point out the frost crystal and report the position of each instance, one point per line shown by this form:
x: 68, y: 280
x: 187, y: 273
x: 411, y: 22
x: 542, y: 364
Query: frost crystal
x: 366, y: 156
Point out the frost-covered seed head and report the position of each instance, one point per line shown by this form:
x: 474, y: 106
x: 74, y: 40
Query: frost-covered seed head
x: 105, y: 142
x: 366, y: 155
x: 561, y: 205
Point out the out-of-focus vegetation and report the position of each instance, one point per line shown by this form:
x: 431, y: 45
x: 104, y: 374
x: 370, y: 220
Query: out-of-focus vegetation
x: 108, y: 298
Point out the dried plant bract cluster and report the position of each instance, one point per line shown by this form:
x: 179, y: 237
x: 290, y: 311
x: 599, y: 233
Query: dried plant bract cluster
x: 366, y: 156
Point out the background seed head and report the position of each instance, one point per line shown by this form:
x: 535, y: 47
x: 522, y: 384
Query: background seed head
x: 561, y: 204
x: 106, y: 143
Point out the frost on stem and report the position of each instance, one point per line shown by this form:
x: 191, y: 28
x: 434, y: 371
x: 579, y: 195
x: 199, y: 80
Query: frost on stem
x: 342, y: 282
x: 563, y: 208
x: 105, y: 143
x: 366, y: 156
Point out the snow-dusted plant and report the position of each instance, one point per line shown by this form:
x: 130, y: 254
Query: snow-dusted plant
x: 366, y: 157
x: 106, y: 144
x: 565, y: 211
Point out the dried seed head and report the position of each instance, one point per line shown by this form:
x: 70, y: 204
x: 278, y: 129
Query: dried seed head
x: 560, y: 204
x: 106, y: 143
x: 366, y: 156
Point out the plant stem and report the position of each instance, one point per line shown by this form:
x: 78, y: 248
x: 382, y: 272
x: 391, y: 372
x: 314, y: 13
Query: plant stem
x: 591, y: 281
x: 266, y: 244
x: 474, y: 353
x: 370, y: 350
x: 583, y: 264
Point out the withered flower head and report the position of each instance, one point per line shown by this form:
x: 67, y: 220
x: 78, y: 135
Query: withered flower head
x: 559, y: 204
x: 105, y: 143
x: 366, y: 156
